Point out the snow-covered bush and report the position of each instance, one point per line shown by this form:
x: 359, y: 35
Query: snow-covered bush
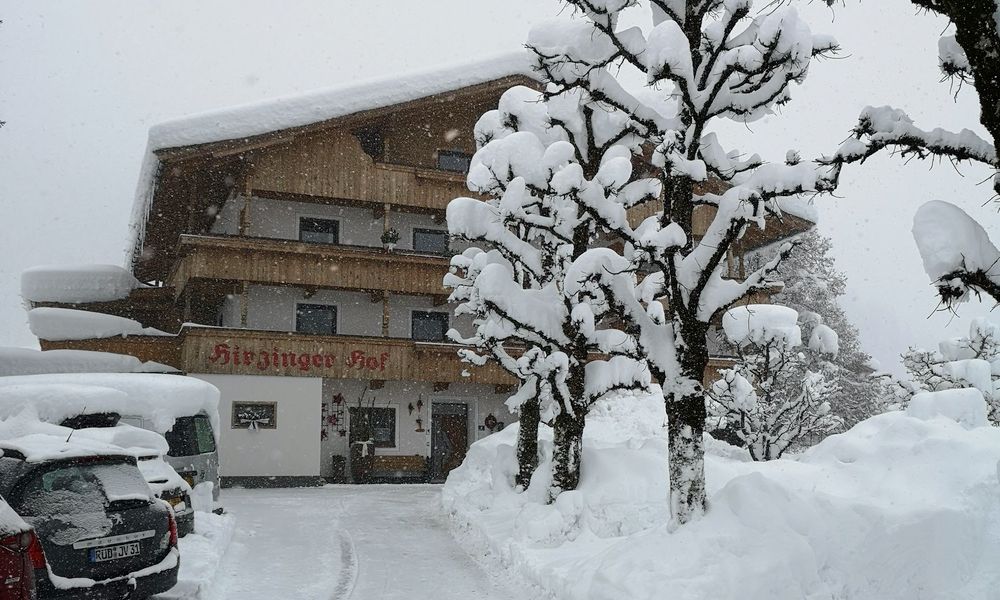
x: 773, y: 397
x: 965, y: 362
x: 813, y: 286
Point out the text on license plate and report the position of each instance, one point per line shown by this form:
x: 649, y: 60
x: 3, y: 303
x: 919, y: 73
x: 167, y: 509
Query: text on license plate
x: 114, y: 552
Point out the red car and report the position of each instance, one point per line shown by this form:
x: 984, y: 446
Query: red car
x: 20, y: 555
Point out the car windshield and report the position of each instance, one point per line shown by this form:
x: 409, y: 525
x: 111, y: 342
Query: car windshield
x: 190, y: 436
x: 68, y: 503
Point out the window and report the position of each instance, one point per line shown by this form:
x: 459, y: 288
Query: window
x: 319, y: 231
x: 429, y: 326
x: 453, y: 160
x: 374, y: 423
x: 255, y: 415
x: 191, y: 436
x: 432, y: 241
x: 319, y: 319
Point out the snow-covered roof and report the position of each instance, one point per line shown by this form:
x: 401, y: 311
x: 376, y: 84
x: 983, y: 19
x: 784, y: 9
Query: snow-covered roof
x: 28, y: 361
x: 259, y: 118
x: 77, y: 283
x: 159, y: 398
x: 49, y: 323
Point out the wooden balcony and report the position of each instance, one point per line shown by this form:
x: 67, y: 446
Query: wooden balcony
x: 289, y: 262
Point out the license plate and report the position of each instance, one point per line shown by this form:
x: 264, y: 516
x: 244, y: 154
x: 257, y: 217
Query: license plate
x: 114, y: 552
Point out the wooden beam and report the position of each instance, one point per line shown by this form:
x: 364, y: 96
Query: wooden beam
x: 244, y: 305
x: 376, y: 384
x: 385, y: 314
x: 440, y: 386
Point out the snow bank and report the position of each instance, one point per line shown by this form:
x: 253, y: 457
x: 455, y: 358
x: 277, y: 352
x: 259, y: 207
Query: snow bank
x: 69, y: 324
x: 896, y: 508
x: 202, y: 553
x: 78, y: 283
x: 159, y: 398
x: 28, y: 361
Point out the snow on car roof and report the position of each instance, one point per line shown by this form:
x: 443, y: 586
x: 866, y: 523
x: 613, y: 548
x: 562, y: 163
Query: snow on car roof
x: 276, y: 114
x: 159, y: 398
x: 41, y: 447
x: 10, y: 521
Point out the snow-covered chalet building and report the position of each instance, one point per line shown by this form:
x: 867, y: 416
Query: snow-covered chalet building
x: 259, y: 232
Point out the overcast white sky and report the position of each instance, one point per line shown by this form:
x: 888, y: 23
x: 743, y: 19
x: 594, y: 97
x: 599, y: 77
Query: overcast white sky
x: 82, y: 82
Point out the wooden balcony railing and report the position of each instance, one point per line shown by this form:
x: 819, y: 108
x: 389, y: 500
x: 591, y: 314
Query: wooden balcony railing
x: 289, y: 262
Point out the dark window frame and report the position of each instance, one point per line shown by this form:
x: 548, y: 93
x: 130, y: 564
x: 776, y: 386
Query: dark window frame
x: 446, y: 317
x: 335, y: 322
x: 237, y: 424
x: 430, y: 230
x: 357, y: 412
x: 465, y: 157
x: 336, y: 232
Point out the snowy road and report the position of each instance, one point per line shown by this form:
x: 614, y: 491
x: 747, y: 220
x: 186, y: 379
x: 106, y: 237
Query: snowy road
x: 347, y: 543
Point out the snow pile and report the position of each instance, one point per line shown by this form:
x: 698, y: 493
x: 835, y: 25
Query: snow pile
x: 28, y: 361
x: 201, y: 554
x: 898, y: 507
x: 161, y: 399
x: 76, y: 284
x: 762, y: 323
x: 68, y: 324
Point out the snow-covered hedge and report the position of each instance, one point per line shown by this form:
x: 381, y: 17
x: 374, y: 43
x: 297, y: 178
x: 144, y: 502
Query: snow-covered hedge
x: 898, y: 507
x: 77, y: 283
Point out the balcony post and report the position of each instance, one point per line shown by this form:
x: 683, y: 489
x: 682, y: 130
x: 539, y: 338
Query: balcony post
x: 385, y: 314
x: 244, y: 306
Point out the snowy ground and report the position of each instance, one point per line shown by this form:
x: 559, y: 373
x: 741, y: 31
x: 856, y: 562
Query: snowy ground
x: 346, y: 542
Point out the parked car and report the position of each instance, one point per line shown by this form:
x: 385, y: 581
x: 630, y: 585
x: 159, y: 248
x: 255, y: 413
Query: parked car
x: 103, y: 533
x: 20, y: 555
x: 148, y: 448
x: 183, y: 409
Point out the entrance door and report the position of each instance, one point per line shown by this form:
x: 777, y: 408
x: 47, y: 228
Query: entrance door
x: 450, y: 439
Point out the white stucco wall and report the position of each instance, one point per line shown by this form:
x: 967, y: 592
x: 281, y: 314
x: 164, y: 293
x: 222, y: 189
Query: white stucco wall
x: 272, y: 308
x: 358, y: 226
x: 293, y: 449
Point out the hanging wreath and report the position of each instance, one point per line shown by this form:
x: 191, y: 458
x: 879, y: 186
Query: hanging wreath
x: 490, y: 422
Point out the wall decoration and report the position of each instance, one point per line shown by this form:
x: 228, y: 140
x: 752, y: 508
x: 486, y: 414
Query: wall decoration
x: 255, y: 415
x: 490, y: 422
x: 333, y: 417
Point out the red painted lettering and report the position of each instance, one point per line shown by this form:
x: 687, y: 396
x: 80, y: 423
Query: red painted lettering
x: 220, y: 352
x: 317, y: 360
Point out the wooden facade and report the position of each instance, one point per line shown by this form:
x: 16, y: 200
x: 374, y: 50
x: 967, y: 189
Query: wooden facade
x: 222, y: 351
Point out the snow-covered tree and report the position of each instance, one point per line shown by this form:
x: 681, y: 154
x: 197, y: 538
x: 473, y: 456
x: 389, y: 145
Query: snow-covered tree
x: 966, y: 362
x: 537, y: 158
x: 775, y: 396
x: 703, y: 60
x: 969, y: 52
x: 813, y: 286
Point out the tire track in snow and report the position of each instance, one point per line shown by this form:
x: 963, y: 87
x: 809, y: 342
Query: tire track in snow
x: 348, y: 564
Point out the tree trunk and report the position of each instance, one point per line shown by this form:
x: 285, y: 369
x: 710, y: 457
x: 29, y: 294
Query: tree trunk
x: 527, y: 443
x: 567, y: 433
x: 686, y: 415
